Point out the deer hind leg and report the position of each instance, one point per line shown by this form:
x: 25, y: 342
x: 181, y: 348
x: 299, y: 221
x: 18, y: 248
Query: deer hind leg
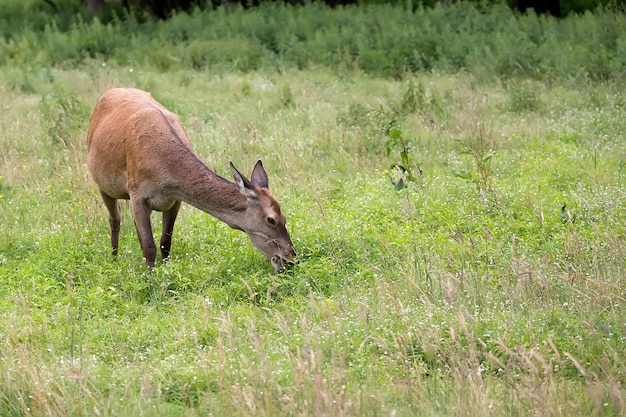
x: 169, y: 218
x: 141, y: 214
x: 114, y: 219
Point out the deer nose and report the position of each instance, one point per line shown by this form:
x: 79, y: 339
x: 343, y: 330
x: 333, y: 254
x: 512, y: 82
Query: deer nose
x: 280, y: 263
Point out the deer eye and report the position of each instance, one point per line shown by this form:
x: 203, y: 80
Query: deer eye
x: 271, y: 221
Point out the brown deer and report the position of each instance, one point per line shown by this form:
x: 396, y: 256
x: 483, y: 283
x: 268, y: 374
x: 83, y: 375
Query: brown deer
x: 140, y: 151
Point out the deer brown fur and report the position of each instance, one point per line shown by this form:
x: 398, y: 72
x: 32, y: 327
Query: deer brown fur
x: 138, y: 150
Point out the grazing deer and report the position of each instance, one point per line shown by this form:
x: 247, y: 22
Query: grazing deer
x: 139, y: 151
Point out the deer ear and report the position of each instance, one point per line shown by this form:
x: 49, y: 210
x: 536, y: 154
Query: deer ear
x: 245, y: 186
x: 259, y: 176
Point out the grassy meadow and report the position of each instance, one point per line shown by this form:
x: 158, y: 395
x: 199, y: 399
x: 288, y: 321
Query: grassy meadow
x: 461, y: 228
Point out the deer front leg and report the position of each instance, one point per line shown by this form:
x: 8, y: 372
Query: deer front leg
x: 141, y: 214
x: 169, y: 218
x: 114, y: 219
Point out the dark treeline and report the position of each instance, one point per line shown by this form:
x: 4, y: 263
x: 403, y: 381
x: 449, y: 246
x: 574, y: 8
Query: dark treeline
x: 38, y: 14
x: 163, y: 9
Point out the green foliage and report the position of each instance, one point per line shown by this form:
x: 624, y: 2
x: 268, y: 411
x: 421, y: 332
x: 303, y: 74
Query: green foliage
x: 400, y: 173
x: 480, y: 146
x: 382, y: 40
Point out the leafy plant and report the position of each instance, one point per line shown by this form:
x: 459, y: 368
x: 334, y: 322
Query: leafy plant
x: 405, y: 170
x: 481, y: 148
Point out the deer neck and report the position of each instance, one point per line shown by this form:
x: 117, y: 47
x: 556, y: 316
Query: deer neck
x: 211, y: 193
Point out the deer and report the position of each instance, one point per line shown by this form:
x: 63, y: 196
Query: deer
x: 138, y: 150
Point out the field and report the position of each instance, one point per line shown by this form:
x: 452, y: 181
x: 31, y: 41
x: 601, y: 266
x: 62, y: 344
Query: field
x: 461, y: 234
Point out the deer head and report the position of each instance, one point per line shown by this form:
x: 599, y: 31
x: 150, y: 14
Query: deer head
x: 263, y: 221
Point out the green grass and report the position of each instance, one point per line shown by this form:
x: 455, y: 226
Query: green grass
x: 467, y: 293
x: 452, y: 297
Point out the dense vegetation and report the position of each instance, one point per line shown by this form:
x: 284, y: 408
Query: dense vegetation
x: 379, y: 40
x: 454, y: 183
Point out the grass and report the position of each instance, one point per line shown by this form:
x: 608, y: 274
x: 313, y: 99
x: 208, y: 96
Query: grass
x: 446, y: 298
x: 468, y: 292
